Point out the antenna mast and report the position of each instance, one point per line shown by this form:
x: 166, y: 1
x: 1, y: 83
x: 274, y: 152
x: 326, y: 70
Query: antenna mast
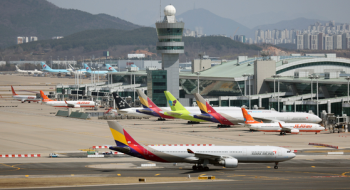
x: 160, y: 10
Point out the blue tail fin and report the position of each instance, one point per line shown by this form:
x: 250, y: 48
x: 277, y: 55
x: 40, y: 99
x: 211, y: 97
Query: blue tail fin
x: 87, y: 67
x: 44, y: 66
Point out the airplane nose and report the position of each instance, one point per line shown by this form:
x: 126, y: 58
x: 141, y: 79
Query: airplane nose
x: 318, y: 120
x: 293, y: 155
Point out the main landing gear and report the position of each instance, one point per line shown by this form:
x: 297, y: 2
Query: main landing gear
x: 200, y: 167
x: 276, y: 165
x: 282, y: 133
x: 161, y: 119
x: 192, y: 122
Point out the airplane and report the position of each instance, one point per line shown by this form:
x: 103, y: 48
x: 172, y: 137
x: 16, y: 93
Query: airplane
x: 155, y: 111
x: 24, y: 98
x: 178, y: 111
x: 28, y: 71
x: 234, y: 117
x: 124, y: 108
x: 111, y: 69
x: 200, y: 156
x: 66, y: 104
x: 292, y: 128
x: 47, y: 69
x: 88, y: 71
x: 73, y: 71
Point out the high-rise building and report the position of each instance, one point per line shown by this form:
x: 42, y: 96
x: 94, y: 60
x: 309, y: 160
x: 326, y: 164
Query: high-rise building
x: 33, y: 38
x: 170, y: 45
x: 320, y: 42
x: 300, y: 42
x: 328, y: 42
x: 314, y: 41
x: 307, y: 41
x: 337, y: 41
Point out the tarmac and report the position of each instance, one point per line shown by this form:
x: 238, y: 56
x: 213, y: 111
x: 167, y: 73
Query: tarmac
x: 31, y: 128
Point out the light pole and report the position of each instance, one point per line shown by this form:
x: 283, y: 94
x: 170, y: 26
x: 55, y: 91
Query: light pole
x: 248, y: 78
x: 58, y: 59
x: 66, y: 62
x: 348, y: 79
x: 198, y: 73
x: 278, y: 88
x: 317, y: 77
x: 51, y: 61
x: 311, y: 77
x: 245, y: 85
x: 118, y: 65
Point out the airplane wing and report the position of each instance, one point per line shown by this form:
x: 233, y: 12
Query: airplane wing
x: 290, y: 130
x: 206, y: 156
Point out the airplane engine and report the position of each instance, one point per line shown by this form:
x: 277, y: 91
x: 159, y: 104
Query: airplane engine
x: 229, y: 162
x: 76, y: 106
x: 294, y: 131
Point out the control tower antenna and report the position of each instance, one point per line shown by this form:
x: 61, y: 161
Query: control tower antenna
x: 160, y: 10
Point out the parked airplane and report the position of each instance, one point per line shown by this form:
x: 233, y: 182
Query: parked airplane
x: 110, y: 69
x: 177, y: 110
x: 153, y: 110
x: 47, y: 69
x: 235, y: 117
x: 283, y: 128
x: 124, y: 108
x: 74, y: 71
x: 28, y: 71
x: 66, y: 104
x: 89, y: 72
x: 200, y: 156
x: 24, y: 98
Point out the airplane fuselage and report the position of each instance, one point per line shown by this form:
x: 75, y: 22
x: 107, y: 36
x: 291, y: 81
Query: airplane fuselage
x: 82, y: 104
x: 24, y: 98
x: 297, y: 127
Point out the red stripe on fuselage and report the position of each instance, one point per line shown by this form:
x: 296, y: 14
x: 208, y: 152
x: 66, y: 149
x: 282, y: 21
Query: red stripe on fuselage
x: 141, y: 150
x: 156, y: 109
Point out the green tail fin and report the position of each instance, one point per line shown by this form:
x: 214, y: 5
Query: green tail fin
x: 175, y: 104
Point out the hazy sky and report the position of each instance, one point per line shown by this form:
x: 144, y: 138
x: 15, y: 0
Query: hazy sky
x: 247, y: 12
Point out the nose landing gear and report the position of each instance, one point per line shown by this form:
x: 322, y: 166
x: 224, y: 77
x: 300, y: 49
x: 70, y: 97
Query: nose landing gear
x: 276, y: 165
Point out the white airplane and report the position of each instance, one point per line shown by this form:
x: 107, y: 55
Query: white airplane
x: 74, y: 71
x: 18, y: 70
x: 66, y: 104
x: 235, y: 117
x: 24, y: 98
x: 292, y: 128
x: 200, y: 156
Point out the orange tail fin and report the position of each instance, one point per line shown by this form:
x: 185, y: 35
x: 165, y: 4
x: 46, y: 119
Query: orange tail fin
x: 45, y: 98
x: 248, y: 119
x: 13, y: 91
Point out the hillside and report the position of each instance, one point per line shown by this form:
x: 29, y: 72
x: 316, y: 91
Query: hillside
x: 298, y: 23
x: 211, y: 23
x: 122, y: 42
x: 45, y: 20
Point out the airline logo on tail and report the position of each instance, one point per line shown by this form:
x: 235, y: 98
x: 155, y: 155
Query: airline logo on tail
x: 248, y: 119
x: 172, y: 103
x: 87, y: 67
x: 44, y: 97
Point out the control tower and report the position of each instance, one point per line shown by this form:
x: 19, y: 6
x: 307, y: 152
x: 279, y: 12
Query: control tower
x: 170, y: 45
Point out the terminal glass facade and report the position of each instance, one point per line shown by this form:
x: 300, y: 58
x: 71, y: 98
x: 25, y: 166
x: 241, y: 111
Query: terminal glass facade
x: 170, y: 47
x: 313, y: 64
x: 156, y: 85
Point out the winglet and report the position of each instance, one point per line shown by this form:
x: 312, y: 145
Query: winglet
x: 13, y: 91
x: 66, y: 102
x: 190, y: 151
x: 280, y: 125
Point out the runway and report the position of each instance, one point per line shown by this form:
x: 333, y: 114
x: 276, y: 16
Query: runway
x: 306, y: 174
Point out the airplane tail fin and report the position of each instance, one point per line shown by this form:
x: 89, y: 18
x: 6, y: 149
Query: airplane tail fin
x: 145, y: 101
x: 17, y: 69
x: 13, y: 91
x: 71, y: 67
x: 121, y: 137
x: 45, y: 66
x: 248, y: 119
x: 121, y: 104
x: 110, y: 68
x: 203, y: 105
x: 87, y: 67
x: 44, y: 97
x: 175, y: 104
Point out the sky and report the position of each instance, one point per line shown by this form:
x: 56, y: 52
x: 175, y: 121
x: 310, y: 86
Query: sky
x: 246, y: 12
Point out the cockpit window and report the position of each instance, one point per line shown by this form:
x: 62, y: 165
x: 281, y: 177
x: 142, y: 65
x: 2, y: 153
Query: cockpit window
x: 288, y: 151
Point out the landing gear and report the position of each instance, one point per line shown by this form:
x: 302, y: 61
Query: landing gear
x: 276, y: 165
x: 200, y: 167
x: 161, y: 119
x: 192, y: 122
x: 194, y: 167
x: 224, y: 126
x: 316, y: 133
x: 282, y: 133
x: 206, y: 168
